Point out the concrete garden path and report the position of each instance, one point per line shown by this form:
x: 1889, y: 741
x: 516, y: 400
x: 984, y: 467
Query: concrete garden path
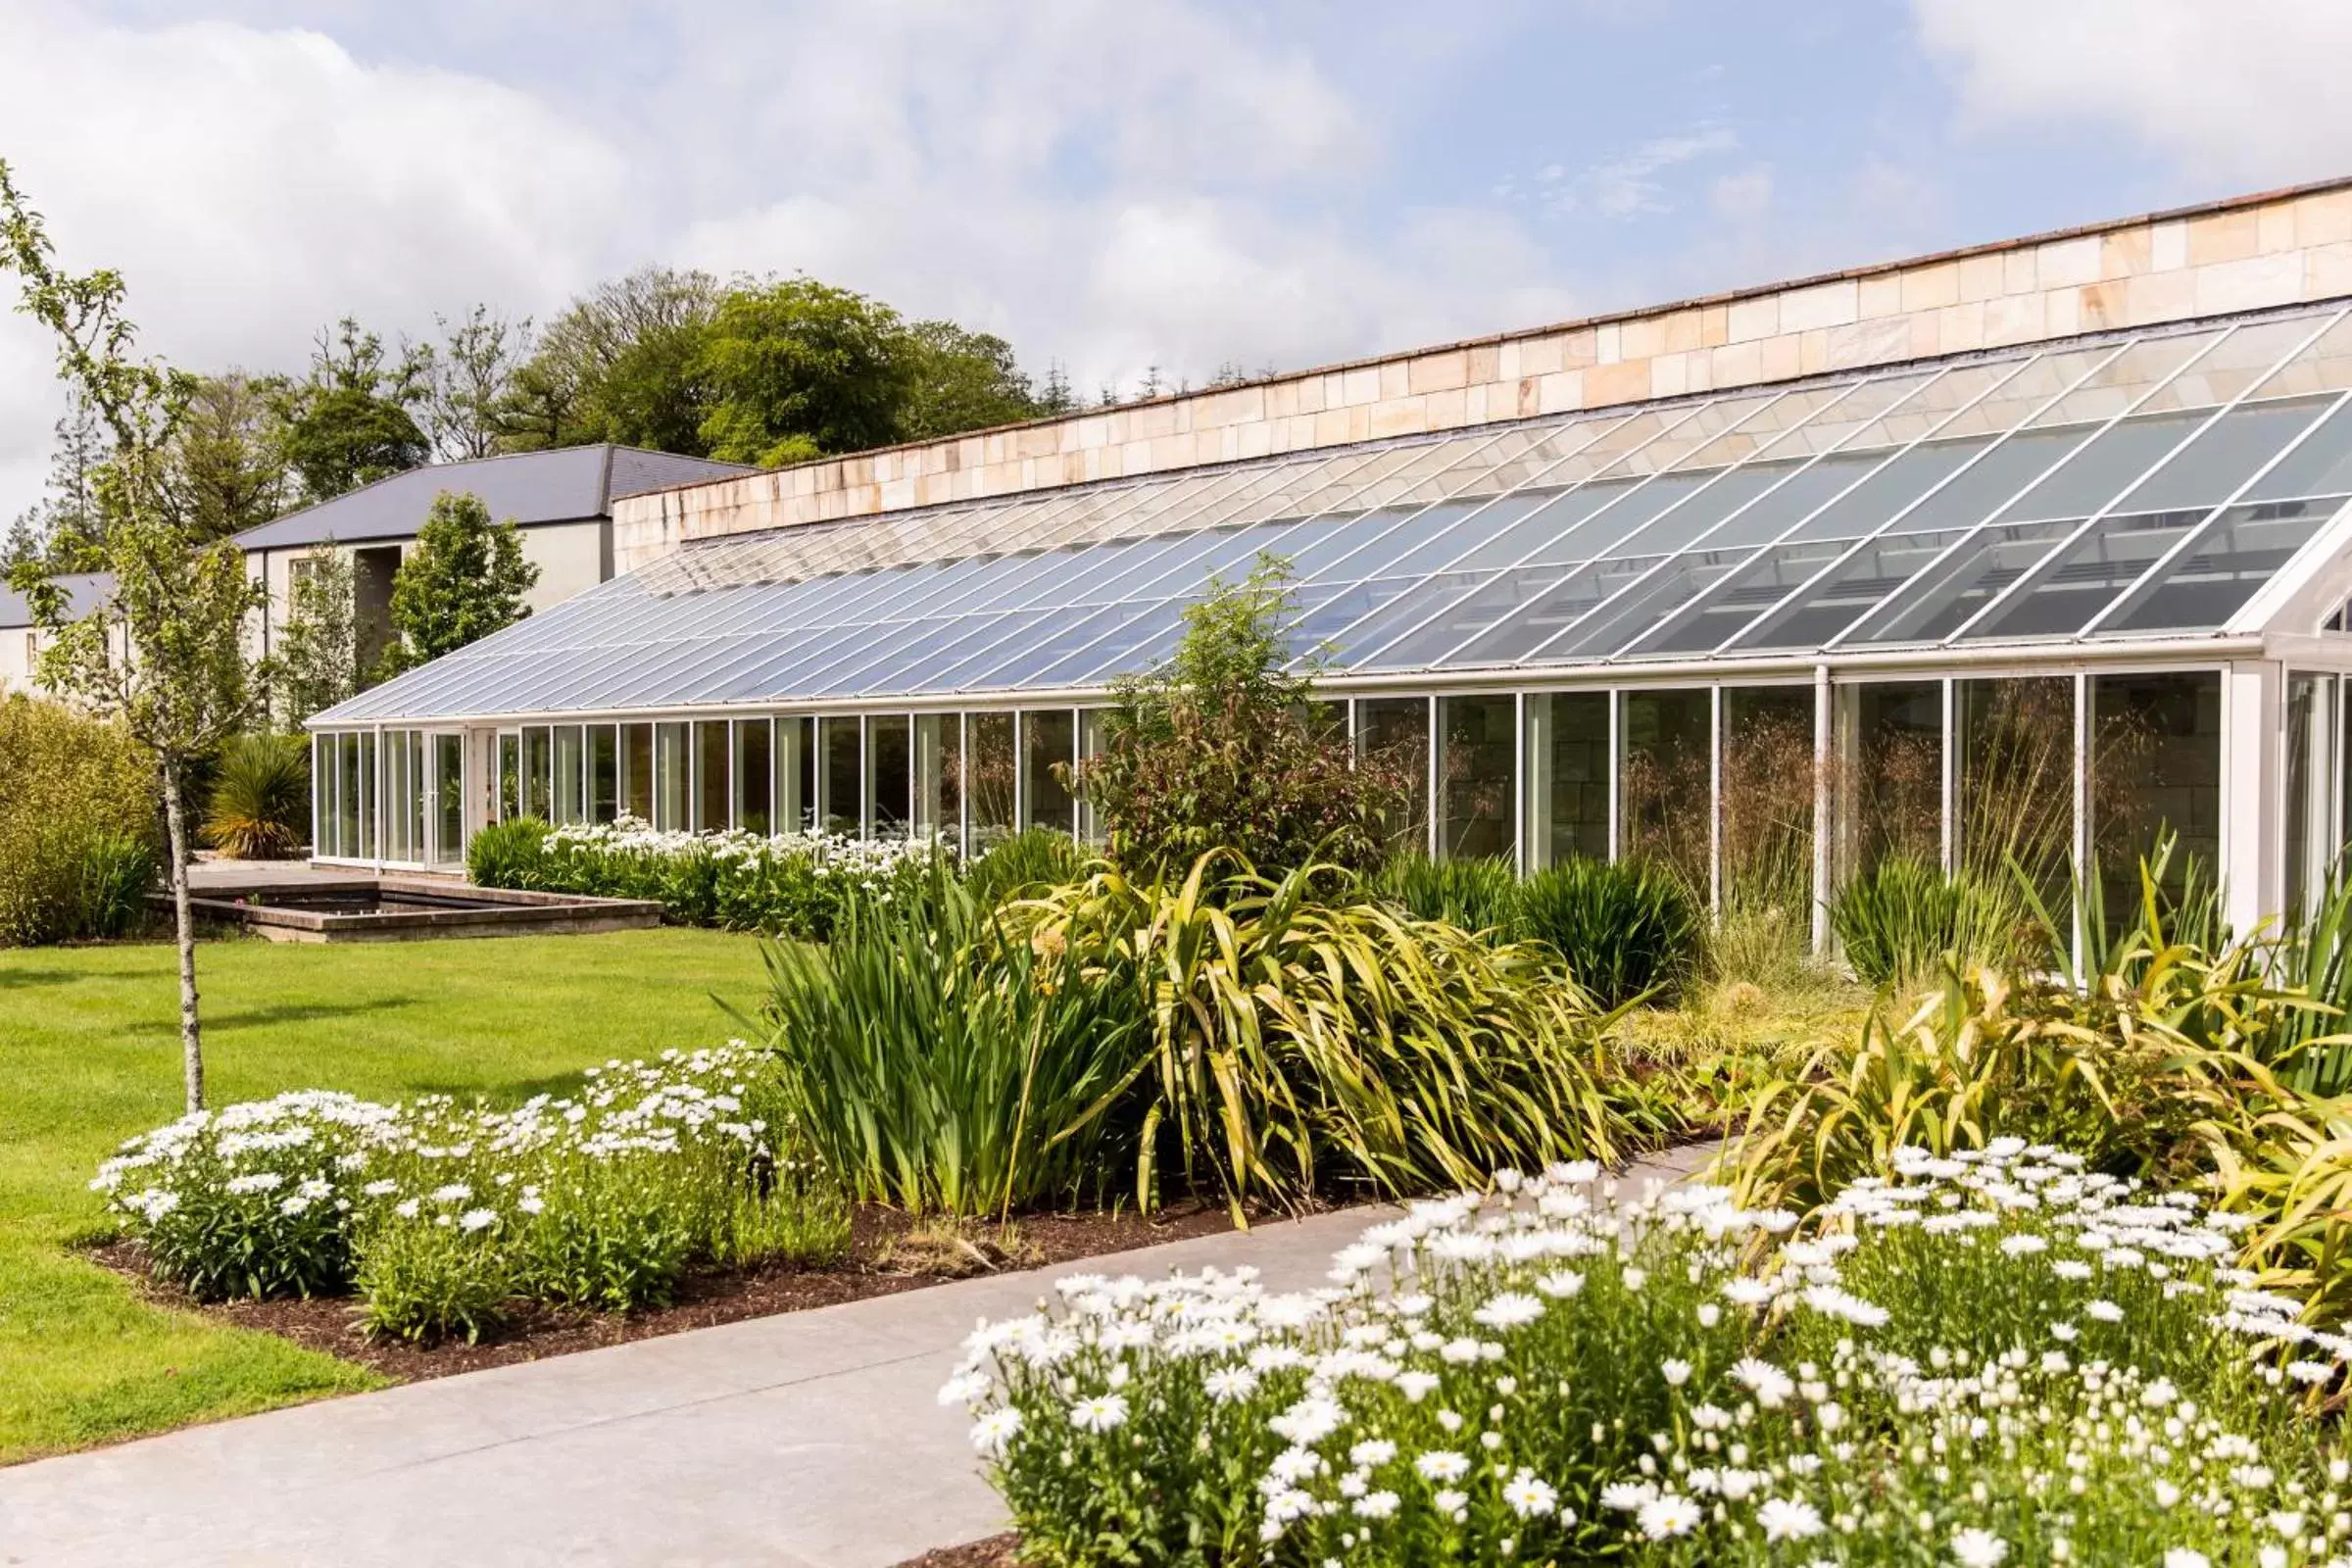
x: 811, y: 1440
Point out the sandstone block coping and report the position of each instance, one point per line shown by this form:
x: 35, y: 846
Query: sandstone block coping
x: 2276, y: 248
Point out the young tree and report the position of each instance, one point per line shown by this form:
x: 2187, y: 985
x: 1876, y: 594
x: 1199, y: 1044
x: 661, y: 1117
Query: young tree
x: 164, y: 652
x: 466, y: 382
x: 347, y: 422
x: 316, y: 663
x: 229, y: 463
x: 465, y: 579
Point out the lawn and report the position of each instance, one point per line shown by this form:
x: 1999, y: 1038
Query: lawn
x: 89, y: 1054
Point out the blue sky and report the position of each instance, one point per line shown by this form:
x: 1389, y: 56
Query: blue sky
x: 1110, y: 183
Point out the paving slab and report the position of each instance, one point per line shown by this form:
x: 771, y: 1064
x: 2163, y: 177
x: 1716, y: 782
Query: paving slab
x: 810, y: 1440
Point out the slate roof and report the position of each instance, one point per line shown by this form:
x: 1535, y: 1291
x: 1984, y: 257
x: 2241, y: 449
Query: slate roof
x: 569, y: 484
x: 83, y: 592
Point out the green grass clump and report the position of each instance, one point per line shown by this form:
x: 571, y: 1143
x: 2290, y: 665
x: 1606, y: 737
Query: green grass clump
x: 1626, y: 929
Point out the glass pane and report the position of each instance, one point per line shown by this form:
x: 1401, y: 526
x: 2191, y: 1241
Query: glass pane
x: 1767, y: 806
x: 449, y: 795
x: 2016, y: 805
x: 1479, y: 776
x: 1889, y: 774
x: 2085, y: 577
x: 755, y: 776
x: 795, y: 775
x: 2311, y: 713
x: 1871, y: 504
x: 538, y: 765
x: 840, y: 776
x: 637, y: 770
x: 890, y: 763
x: 2235, y: 365
x: 348, y: 799
x: 2321, y: 466
x: 1393, y: 732
x: 569, y: 774
x: 1568, y: 776
x: 1801, y: 494
x: 2115, y: 386
x: 712, y: 774
x: 604, y: 772
x: 990, y: 779
x: 1522, y: 611
x: 939, y: 776
x: 1692, y: 519
x: 1982, y: 489
x: 2226, y: 564
x: 2224, y: 456
x: 1666, y: 780
x: 1048, y: 747
x: 1693, y: 441
x: 2323, y: 367
x: 674, y: 776
x: 1551, y: 532
x: 1723, y: 610
x: 1642, y: 605
x: 2104, y: 466
x: 1848, y: 591
x: 1941, y: 600
x: 510, y: 775
x: 2156, y: 770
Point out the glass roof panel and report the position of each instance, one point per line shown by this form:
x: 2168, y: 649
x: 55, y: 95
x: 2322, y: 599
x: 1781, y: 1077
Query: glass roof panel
x: 2234, y: 366
x: 2240, y: 551
x: 1735, y: 603
x: 2122, y: 383
x: 1892, y: 488
x: 2321, y: 466
x: 1799, y: 497
x: 2224, y: 455
x: 2326, y: 366
x: 2083, y: 579
x: 2102, y: 468
x: 1694, y: 440
x: 1670, y: 587
x: 1529, y: 609
x: 1974, y: 568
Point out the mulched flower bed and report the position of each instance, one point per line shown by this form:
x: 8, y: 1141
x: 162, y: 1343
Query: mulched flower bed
x: 871, y: 1268
x: 997, y: 1551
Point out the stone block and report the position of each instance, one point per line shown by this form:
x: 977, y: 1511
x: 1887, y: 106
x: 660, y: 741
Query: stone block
x: 1437, y: 372
x: 1824, y: 305
x: 1881, y: 341
x: 1783, y: 358
x: 1484, y: 364
x: 1608, y: 340
x: 1932, y: 287
x: 2100, y: 306
x: 1529, y: 399
x: 2159, y: 297
x: 1395, y: 379
x: 1559, y: 392
x: 1737, y: 364
x: 1331, y: 427
x: 2021, y: 272
x: 1358, y: 386
x: 2328, y: 270
x: 2224, y: 237
x: 2324, y: 218
x: 1405, y: 416
x: 1714, y: 326
x: 2167, y: 245
x: 2127, y: 252
x: 1961, y: 327
x: 1627, y: 381
x: 2017, y: 318
x: 1643, y: 338
x: 1752, y: 320
x: 2275, y: 228
x: 1447, y: 410
x: 1813, y: 351
x: 2067, y: 263
x: 1879, y: 294
x: 2062, y: 311
x: 2249, y: 285
x: 1669, y: 374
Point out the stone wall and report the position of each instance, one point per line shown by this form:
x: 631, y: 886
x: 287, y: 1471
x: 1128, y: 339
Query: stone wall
x: 2277, y: 249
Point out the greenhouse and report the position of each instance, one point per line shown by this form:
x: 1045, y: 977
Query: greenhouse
x: 2030, y: 607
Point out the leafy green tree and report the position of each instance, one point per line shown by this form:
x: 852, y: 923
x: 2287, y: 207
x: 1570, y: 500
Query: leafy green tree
x: 348, y: 421
x: 228, y: 455
x: 55, y: 531
x: 465, y: 578
x: 164, y: 653
x: 623, y: 364
x: 316, y: 662
x: 961, y: 380
x: 799, y: 368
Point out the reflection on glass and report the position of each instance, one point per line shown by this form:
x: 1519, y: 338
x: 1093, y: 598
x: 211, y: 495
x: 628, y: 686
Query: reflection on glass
x: 673, y: 777
x: 1391, y: 733
x: 604, y: 772
x: 1049, y: 746
x: 840, y: 773
x: 2156, y: 770
x: 1665, y: 782
x: 2016, y: 805
x: 1478, y: 776
x: 2311, y: 711
x: 568, y: 774
x: 2224, y: 564
x: 755, y: 776
x: 796, y: 774
x: 1767, y: 806
x: 889, y: 761
x: 637, y: 769
x: 711, y: 775
x: 538, y: 765
x: 989, y: 779
x: 1567, y: 777
x: 368, y: 813
x: 939, y: 776
x: 1889, y: 774
x: 449, y: 799
x: 510, y: 775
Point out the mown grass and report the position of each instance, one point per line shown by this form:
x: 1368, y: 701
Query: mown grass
x: 89, y: 1054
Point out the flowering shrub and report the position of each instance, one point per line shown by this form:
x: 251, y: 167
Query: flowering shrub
x: 789, y: 884
x: 1993, y: 1359
x: 440, y: 1213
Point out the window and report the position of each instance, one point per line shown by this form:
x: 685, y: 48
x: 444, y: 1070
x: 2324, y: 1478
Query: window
x: 939, y: 776
x: 570, y: 775
x: 637, y: 770
x: 1568, y: 778
x: 1665, y: 780
x: 1766, y: 806
x: 841, y: 775
x: 449, y: 799
x: 1048, y: 748
x: 1478, y: 780
x: 2156, y: 773
x: 1888, y: 777
x: 889, y: 762
x: 673, y: 777
x: 604, y: 772
x: 989, y: 779
x: 1394, y: 730
x: 710, y: 776
x: 755, y: 776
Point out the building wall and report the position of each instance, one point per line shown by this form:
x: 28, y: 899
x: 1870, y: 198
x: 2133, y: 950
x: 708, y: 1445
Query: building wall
x: 2251, y: 254
x: 17, y: 646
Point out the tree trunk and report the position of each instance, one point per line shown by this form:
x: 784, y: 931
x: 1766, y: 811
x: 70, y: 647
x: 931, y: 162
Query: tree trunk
x: 191, y: 1037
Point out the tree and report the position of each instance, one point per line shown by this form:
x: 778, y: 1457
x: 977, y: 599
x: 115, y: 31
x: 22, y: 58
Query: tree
x: 468, y: 381
x: 961, y: 380
x: 164, y: 651
x: 798, y: 368
x: 619, y: 364
x: 56, y: 529
x: 465, y: 579
x: 227, y: 456
x: 1223, y: 746
x: 347, y: 422
x: 316, y: 663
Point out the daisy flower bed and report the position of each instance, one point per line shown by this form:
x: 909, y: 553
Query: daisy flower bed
x: 1986, y: 1360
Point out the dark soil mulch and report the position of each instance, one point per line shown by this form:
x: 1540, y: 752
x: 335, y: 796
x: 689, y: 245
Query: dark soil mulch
x: 331, y: 1323
x: 997, y: 1551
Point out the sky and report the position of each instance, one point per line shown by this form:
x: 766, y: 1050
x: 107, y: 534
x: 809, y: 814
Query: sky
x: 1111, y: 185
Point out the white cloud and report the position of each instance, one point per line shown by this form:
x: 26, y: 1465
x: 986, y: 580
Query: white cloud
x: 1743, y: 197
x: 251, y: 185
x: 2249, y: 92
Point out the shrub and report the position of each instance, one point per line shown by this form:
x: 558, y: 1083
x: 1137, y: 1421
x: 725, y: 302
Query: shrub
x: 1300, y: 1047
x: 72, y: 791
x: 1031, y: 859
x: 1222, y: 746
x: 259, y: 804
x: 116, y: 870
x: 439, y: 1214
x: 1626, y: 929
x: 1477, y: 894
x: 2002, y: 1361
x: 1897, y: 921
x: 509, y: 854
x: 937, y: 1065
